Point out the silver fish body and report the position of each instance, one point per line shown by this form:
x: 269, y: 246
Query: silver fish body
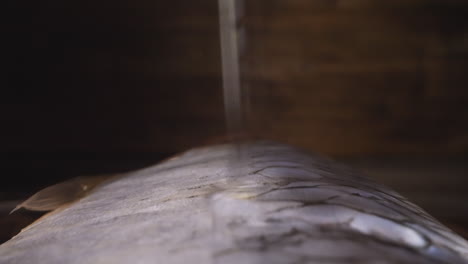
x: 281, y: 205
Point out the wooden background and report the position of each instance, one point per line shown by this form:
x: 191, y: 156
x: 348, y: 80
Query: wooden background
x: 340, y: 77
x: 102, y: 86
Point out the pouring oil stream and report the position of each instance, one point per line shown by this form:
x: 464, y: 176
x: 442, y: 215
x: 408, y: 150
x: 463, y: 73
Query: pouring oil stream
x: 230, y: 14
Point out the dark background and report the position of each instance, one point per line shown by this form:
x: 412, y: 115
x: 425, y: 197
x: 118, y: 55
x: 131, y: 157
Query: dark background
x: 106, y: 86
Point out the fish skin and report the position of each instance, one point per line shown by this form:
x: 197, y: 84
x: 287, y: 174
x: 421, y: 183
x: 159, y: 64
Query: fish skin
x: 284, y: 205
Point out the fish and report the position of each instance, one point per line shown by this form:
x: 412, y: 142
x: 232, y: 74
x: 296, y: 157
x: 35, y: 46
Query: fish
x: 63, y: 193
